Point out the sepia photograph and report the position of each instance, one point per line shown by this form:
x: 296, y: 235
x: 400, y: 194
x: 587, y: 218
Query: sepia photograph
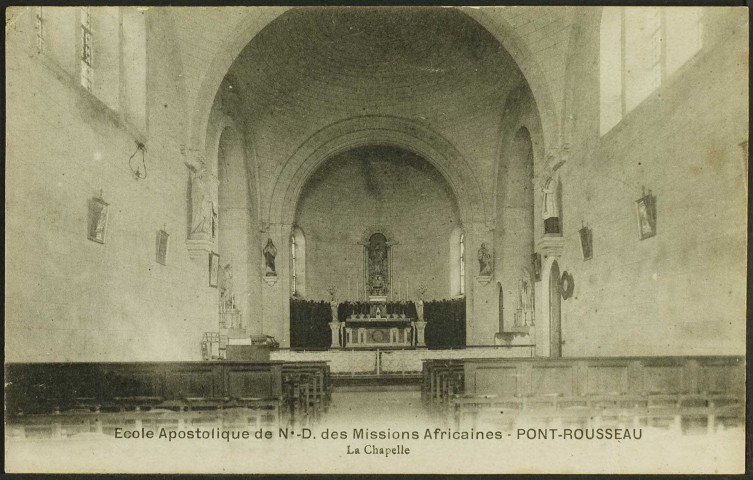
x: 408, y: 240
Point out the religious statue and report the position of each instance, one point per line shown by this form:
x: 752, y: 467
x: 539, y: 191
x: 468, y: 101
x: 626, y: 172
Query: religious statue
x: 270, y: 252
x: 485, y: 263
x: 420, y: 309
x: 377, y: 285
x: 227, y: 294
x: 203, y: 204
x: 525, y: 298
x: 420, y: 303
x: 333, y: 307
x: 549, y: 211
x: 378, y: 268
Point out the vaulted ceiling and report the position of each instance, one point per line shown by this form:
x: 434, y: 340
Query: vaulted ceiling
x: 432, y: 64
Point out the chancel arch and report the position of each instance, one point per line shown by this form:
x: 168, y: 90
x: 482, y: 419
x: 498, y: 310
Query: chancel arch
x: 377, y: 219
x: 232, y: 45
x: 375, y: 130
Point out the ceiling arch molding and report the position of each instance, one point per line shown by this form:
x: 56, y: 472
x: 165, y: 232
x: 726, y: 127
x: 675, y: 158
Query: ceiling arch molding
x: 257, y: 20
x: 375, y: 130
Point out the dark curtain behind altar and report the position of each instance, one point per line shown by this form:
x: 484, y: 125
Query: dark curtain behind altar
x: 309, y: 321
x: 309, y: 324
x: 445, y: 323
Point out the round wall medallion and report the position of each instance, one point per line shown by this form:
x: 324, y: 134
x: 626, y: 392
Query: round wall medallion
x: 567, y: 285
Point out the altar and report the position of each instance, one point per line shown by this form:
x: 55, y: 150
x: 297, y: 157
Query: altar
x: 378, y: 329
x: 388, y: 331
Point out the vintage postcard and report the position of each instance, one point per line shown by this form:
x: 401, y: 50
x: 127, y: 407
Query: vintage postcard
x: 376, y: 239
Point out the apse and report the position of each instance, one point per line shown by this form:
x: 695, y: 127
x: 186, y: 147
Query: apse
x: 377, y: 190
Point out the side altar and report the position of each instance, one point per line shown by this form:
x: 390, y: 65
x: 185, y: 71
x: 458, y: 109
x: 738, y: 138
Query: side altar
x: 378, y: 329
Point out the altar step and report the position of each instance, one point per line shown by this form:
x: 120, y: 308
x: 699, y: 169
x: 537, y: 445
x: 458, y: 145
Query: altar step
x: 377, y: 388
x: 371, y: 381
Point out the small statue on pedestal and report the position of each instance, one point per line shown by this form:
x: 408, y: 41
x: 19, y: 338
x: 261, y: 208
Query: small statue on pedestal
x: 420, y: 302
x: 270, y: 252
x: 227, y: 294
x: 525, y: 298
x: 203, y: 204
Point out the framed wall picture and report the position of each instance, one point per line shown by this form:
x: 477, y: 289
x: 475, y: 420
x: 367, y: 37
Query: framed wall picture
x: 214, y: 269
x: 98, y: 213
x: 163, y: 240
x: 646, y: 210
x: 586, y: 243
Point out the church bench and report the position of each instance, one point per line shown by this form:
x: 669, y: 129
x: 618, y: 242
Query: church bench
x: 307, y: 387
x: 664, y: 410
x: 613, y: 375
x: 440, y: 380
x: 50, y: 387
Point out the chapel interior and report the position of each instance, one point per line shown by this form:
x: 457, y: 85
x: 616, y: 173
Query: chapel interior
x: 290, y: 211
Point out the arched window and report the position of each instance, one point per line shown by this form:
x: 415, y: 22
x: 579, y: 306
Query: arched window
x: 462, y: 264
x: 110, y: 53
x: 457, y: 262
x: 292, y: 264
x: 297, y: 263
x: 640, y: 47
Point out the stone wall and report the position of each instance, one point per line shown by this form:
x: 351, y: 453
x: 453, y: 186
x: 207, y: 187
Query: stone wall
x: 378, y: 189
x: 683, y: 291
x: 69, y: 298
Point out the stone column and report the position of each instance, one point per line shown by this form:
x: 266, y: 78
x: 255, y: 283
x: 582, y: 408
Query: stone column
x: 276, y: 289
x: 420, y: 329
x: 550, y: 247
x: 481, y: 312
x: 335, y: 329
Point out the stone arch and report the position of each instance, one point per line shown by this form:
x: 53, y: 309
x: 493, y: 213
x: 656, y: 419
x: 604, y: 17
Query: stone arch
x: 532, y: 72
x: 510, y: 126
x: 254, y: 22
x: 374, y: 130
x: 230, y: 48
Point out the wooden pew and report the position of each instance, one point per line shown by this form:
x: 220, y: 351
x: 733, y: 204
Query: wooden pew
x: 606, y: 388
x: 307, y: 387
x: 40, y: 388
x: 441, y: 379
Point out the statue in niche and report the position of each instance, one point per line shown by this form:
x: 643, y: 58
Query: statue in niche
x: 485, y: 262
x: 378, y: 265
x: 377, y: 285
x: 270, y: 252
x: 204, y: 205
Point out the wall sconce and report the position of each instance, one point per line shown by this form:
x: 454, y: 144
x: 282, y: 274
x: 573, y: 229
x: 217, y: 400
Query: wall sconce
x: 140, y: 147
